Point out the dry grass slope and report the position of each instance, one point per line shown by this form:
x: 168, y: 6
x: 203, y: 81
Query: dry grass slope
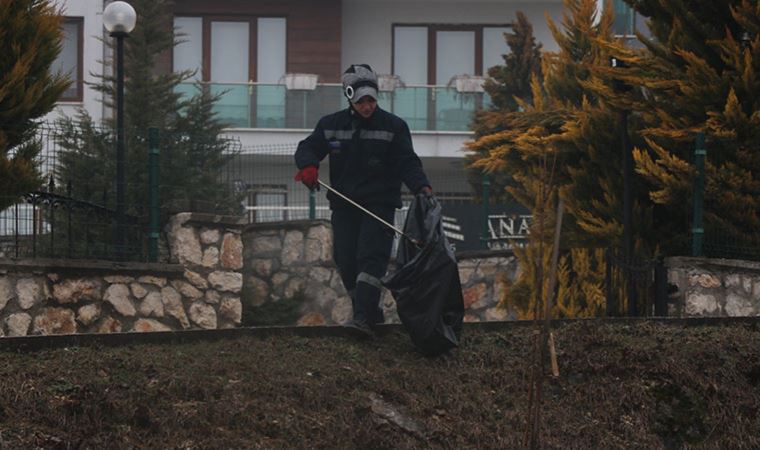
x: 621, y: 386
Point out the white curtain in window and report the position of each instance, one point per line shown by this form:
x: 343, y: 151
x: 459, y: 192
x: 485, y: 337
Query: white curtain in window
x: 410, y: 54
x: 455, y: 55
x: 230, y: 52
x: 188, y: 55
x: 271, y: 48
x: 494, y: 46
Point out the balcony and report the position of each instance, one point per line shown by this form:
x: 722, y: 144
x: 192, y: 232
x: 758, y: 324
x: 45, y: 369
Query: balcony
x: 273, y: 106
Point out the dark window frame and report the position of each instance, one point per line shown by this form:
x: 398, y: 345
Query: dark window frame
x: 253, y: 29
x: 432, y: 30
x: 79, y: 83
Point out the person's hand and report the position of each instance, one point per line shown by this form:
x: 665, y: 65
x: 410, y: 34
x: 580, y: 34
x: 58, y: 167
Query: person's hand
x: 427, y: 191
x: 309, y: 176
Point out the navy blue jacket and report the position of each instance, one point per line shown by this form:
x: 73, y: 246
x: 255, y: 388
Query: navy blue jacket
x: 368, y: 158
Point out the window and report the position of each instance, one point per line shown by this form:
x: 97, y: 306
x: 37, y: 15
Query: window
x: 69, y: 61
x: 627, y: 21
x: 229, y: 52
x: 231, y: 49
x: 267, y: 203
x: 434, y: 54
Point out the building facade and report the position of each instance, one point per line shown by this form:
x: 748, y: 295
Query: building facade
x: 277, y: 67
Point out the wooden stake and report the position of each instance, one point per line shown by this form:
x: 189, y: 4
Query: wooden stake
x: 553, y: 355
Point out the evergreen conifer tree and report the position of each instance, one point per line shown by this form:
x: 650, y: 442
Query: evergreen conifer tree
x: 571, y: 124
x: 193, y: 152
x: 31, y: 41
x: 512, y: 80
x: 701, y: 75
x: 505, y: 85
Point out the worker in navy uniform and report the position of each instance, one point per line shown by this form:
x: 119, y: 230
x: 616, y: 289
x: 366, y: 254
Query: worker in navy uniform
x: 371, y: 154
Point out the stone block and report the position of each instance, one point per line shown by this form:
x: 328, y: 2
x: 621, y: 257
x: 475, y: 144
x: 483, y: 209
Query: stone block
x: 152, y: 305
x: 473, y: 294
x: 231, y: 309
x: 259, y: 290
x: 186, y: 246
x: 18, y: 324
x: 342, y: 310
x: 496, y: 313
x: 293, y: 286
x: 698, y: 304
x: 262, y: 267
x: 76, y: 290
x: 226, y: 281
x: 88, y: 314
x: 121, y: 279
x: 292, y: 248
x: 232, y: 252
x: 266, y: 246
x: 210, y: 258
x: 210, y: 236
x: 149, y: 325
x: 156, y: 281
x: 311, y: 319
x: 55, y: 321
x: 212, y: 297
x: 739, y: 306
x: 196, y: 279
x: 118, y: 295
x: 203, y: 315
x: 186, y: 289
x: 320, y: 275
x: 172, y: 301
x: 29, y: 292
x: 6, y: 292
x: 138, y: 290
x: 109, y: 325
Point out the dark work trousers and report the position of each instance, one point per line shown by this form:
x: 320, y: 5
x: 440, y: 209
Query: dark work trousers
x: 361, y: 249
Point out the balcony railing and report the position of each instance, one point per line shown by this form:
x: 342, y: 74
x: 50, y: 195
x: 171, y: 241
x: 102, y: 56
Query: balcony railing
x: 254, y: 105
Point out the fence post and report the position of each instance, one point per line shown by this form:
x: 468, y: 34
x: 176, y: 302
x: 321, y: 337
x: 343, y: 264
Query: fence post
x: 660, y: 288
x: 697, y: 227
x: 154, y: 209
x: 486, y: 209
x: 608, y: 291
x: 312, y: 205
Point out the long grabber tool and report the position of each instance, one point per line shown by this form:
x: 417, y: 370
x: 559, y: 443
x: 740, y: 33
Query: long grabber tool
x: 370, y: 213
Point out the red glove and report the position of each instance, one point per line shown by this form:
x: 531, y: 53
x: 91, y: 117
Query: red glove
x: 309, y: 176
x: 427, y: 190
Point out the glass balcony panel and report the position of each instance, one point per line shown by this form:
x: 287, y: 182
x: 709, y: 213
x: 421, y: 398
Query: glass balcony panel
x: 411, y: 104
x: 233, y: 107
x: 424, y: 108
x: 270, y: 106
x: 454, y: 110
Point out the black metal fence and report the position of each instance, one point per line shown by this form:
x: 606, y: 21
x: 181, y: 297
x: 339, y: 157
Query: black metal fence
x: 74, y: 213
x: 635, y: 286
x: 48, y: 224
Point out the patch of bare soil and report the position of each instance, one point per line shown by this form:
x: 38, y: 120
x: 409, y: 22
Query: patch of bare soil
x: 621, y: 386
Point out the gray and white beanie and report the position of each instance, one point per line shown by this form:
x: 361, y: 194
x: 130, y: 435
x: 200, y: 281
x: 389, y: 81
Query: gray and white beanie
x: 359, y: 80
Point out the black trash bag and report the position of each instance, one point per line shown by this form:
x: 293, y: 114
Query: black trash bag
x: 426, y: 283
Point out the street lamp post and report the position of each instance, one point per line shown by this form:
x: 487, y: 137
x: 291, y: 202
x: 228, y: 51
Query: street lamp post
x: 119, y: 19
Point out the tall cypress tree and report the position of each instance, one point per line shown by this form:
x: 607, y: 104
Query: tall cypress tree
x: 570, y: 127
x: 193, y: 152
x: 31, y: 41
x: 702, y: 76
x: 507, y: 85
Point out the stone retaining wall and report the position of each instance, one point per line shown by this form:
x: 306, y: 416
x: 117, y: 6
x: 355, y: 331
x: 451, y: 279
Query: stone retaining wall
x: 199, y: 289
x: 285, y: 259
x: 713, y: 287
